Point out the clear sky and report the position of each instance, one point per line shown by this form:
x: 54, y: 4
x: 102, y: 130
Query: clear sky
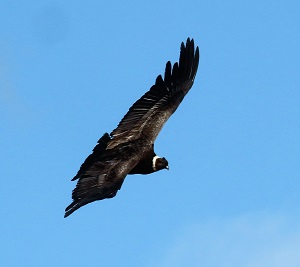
x: 69, y: 71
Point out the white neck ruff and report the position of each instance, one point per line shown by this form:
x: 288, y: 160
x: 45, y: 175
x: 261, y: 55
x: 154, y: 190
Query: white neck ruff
x: 154, y: 162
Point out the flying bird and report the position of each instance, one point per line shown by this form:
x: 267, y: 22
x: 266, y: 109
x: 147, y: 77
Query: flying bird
x: 129, y: 149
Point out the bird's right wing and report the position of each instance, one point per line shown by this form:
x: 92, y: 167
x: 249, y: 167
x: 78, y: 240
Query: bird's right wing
x: 148, y: 115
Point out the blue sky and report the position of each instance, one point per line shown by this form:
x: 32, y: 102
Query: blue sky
x: 70, y: 70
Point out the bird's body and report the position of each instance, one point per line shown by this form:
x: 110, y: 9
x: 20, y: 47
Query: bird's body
x: 129, y: 149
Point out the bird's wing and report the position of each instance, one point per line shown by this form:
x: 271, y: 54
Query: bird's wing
x: 102, y: 179
x: 97, y: 155
x: 147, y: 116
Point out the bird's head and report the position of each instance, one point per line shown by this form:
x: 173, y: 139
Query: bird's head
x: 159, y: 163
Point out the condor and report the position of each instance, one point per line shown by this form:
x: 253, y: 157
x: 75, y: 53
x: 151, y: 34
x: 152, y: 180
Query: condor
x: 129, y: 149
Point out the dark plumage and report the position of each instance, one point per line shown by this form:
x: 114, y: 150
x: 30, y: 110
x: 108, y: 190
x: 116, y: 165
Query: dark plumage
x: 129, y: 149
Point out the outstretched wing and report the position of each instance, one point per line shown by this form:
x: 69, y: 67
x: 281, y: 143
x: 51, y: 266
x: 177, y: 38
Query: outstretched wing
x: 101, y: 175
x: 102, y: 180
x: 97, y: 155
x: 98, y: 183
x: 148, y: 115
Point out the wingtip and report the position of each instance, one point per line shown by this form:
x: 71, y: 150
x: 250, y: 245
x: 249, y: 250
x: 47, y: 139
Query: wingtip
x: 75, y: 205
x: 67, y: 213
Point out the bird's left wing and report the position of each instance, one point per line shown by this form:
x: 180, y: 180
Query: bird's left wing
x: 97, y: 155
x: 102, y: 180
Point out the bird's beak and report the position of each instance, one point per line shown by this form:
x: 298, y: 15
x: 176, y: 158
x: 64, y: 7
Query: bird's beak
x: 167, y: 167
